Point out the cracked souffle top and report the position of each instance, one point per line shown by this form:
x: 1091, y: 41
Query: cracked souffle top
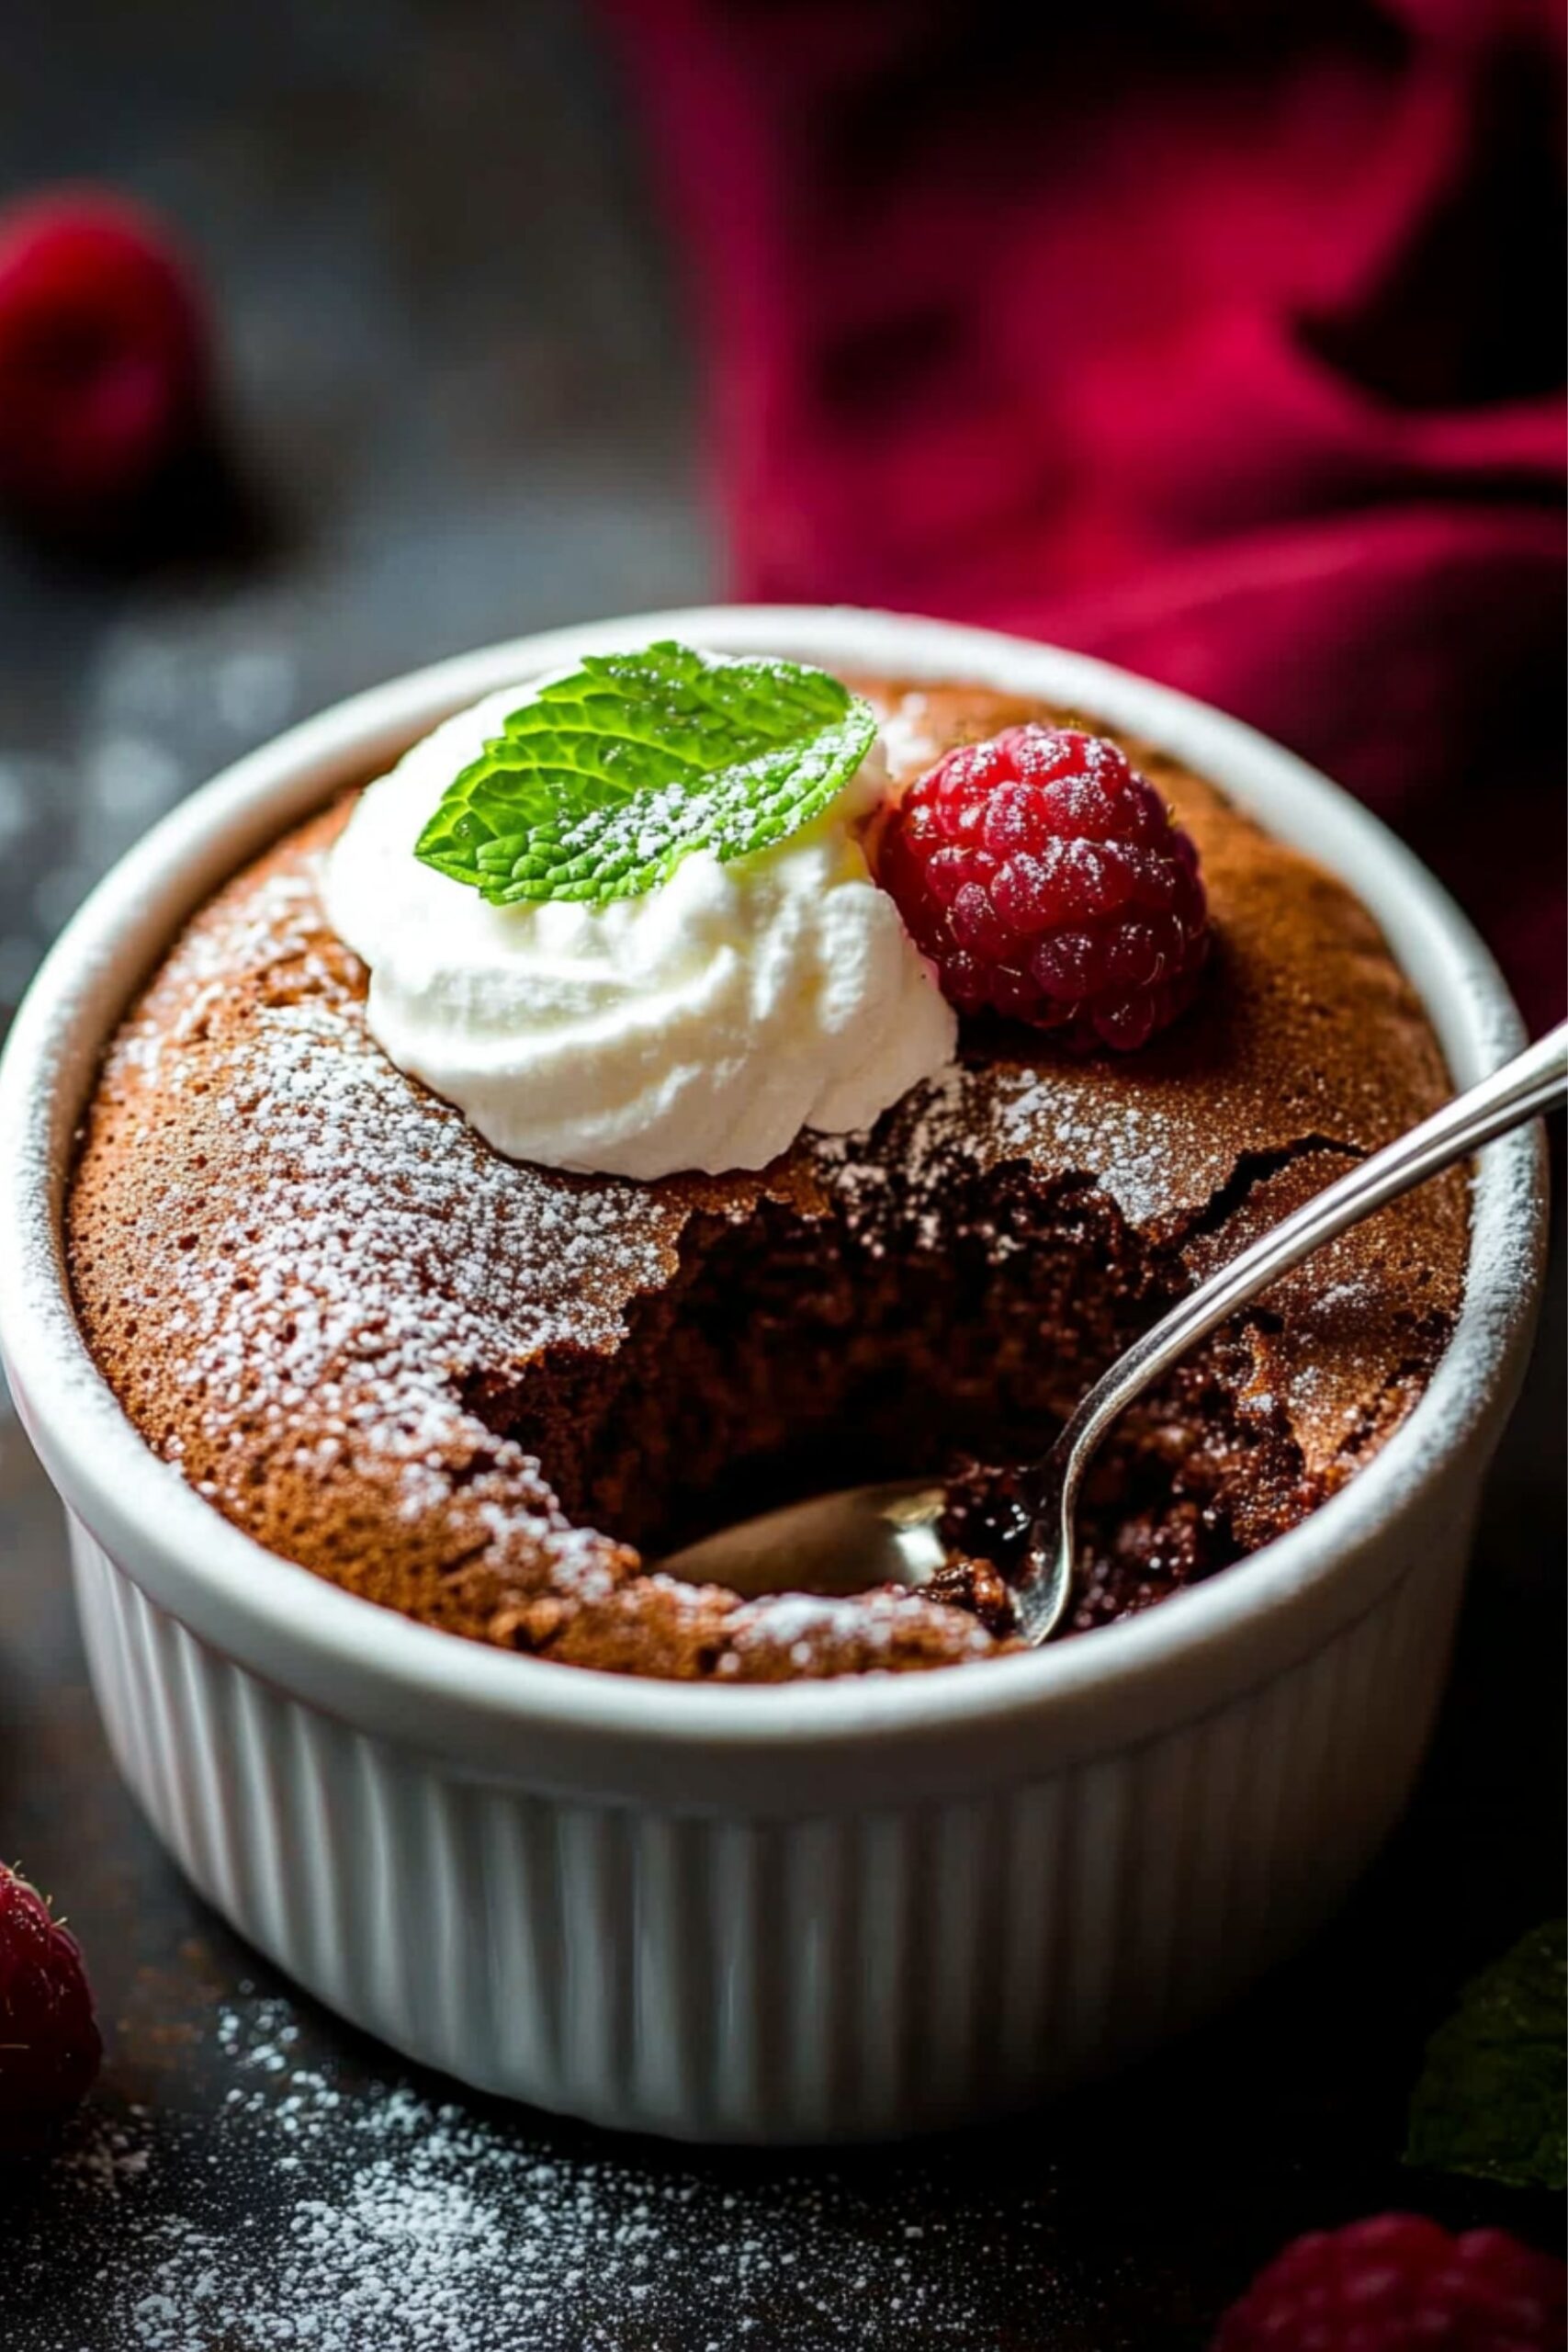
x: 485, y: 1391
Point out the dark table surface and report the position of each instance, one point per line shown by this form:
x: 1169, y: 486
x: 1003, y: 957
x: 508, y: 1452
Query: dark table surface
x: 460, y: 406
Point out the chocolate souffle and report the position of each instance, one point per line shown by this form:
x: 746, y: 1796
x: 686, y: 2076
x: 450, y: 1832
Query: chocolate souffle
x: 483, y: 1393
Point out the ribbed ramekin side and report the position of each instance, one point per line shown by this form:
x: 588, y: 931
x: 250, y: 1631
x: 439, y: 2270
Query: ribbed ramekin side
x: 712, y: 1976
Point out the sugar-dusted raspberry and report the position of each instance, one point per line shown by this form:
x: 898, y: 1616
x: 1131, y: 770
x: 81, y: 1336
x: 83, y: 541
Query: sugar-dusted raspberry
x: 1045, y: 880
x: 1401, y: 2284
x: 49, y: 2038
x: 103, y: 356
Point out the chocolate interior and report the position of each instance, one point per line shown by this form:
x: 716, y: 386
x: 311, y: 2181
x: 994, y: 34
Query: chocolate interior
x: 796, y: 1354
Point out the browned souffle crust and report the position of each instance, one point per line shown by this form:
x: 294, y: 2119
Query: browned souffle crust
x: 481, y: 1392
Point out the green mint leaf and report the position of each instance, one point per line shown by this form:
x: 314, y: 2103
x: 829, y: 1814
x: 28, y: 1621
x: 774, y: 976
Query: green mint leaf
x: 1490, y: 2101
x: 603, y: 783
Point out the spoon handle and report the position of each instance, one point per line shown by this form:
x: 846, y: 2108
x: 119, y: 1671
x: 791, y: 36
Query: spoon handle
x: 1532, y: 1082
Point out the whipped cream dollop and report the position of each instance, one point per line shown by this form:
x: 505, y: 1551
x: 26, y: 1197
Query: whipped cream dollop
x: 701, y: 1026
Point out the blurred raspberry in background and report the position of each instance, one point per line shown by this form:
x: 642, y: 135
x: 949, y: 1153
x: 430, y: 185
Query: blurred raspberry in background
x: 103, y: 360
x: 1223, y: 342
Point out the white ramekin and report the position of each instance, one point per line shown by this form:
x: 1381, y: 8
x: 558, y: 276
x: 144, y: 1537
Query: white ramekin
x: 851, y: 1909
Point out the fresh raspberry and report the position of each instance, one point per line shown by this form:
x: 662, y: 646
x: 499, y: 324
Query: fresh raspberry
x: 1044, y: 878
x: 1401, y: 2284
x: 48, y: 2039
x: 102, y: 357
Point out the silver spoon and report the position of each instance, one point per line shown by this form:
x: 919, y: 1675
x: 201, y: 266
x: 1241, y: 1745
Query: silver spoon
x: 887, y: 1534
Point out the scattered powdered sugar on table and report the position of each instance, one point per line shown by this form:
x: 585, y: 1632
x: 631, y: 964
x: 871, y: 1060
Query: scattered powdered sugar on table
x: 371, y: 2217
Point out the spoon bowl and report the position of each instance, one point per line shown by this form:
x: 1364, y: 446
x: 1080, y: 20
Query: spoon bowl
x: 834, y: 1544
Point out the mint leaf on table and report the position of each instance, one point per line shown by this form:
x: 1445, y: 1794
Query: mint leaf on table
x: 1490, y: 2101
x: 602, y: 782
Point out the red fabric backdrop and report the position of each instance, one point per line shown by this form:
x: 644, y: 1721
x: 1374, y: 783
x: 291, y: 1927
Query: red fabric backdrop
x: 1223, y: 340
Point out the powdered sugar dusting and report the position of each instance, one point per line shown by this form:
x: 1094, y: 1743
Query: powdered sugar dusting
x: 383, y: 2217
x: 1132, y: 1152
x: 806, y: 1626
x: 1128, y: 1148
x: 370, y: 1262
